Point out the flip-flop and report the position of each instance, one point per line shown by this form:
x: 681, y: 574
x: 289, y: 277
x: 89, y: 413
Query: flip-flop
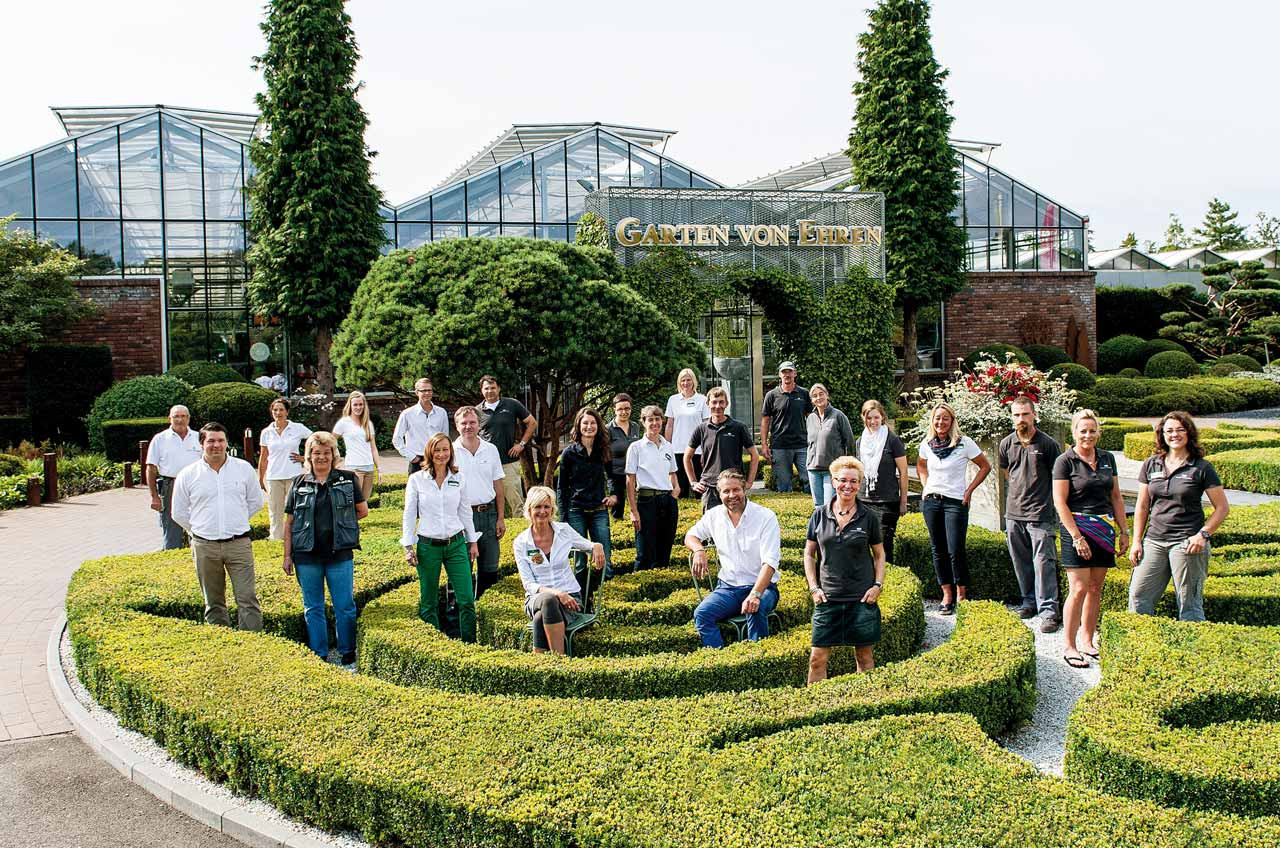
x: 1093, y: 655
x: 947, y: 609
x: 1075, y: 662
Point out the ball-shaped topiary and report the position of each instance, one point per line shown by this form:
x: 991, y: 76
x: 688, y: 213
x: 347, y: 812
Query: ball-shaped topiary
x: 997, y: 351
x: 1222, y: 369
x: 1077, y: 376
x: 1171, y: 363
x: 1151, y: 348
x: 236, y: 406
x: 137, y: 397
x: 200, y: 373
x: 1241, y: 361
x: 1045, y: 357
x: 1129, y: 373
x: 1120, y: 352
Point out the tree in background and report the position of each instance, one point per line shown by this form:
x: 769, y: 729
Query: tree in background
x: 899, y: 146
x: 1175, y: 235
x: 315, y: 223
x: 1219, y: 230
x: 1235, y: 315
x: 1266, y: 233
x: 552, y: 317
x: 1131, y: 240
x: 37, y: 298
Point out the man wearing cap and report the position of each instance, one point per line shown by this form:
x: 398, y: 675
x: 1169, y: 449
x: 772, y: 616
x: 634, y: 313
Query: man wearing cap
x: 170, y: 451
x: 784, y: 432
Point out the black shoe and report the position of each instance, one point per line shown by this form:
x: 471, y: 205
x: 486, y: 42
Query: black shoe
x: 349, y: 659
x: 1026, y: 612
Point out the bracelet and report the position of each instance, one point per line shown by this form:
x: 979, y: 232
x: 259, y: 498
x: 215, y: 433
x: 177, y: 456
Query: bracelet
x: 878, y: 584
x: 813, y: 590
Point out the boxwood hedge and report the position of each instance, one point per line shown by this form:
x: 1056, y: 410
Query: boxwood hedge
x: 1140, y: 445
x: 1254, y: 470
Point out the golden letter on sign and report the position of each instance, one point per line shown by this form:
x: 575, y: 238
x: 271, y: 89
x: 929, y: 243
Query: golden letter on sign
x: 806, y: 232
x: 624, y: 233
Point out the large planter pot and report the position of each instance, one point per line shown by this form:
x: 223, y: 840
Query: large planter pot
x: 986, y: 507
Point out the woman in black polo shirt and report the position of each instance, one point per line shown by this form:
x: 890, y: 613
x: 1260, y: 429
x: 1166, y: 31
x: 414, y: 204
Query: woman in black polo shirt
x: 1170, y: 532
x: 1086, y: 493
x: 844, y: 564
x: 884, y: 459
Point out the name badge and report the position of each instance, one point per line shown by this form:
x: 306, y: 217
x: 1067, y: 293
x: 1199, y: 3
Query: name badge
x: 668, y: 456
x: 1156, y: 475
x: 452, y: 483
x: 691, y: 403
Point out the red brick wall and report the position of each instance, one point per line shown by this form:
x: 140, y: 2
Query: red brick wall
x: 1001, y: 306
x: 129, y: 322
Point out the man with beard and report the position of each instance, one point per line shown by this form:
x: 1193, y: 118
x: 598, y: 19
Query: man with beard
x: 1031, y: 524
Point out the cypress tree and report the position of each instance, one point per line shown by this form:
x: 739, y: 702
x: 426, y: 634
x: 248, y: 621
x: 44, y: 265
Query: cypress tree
x: 899, y: 146
x: 315, y: 221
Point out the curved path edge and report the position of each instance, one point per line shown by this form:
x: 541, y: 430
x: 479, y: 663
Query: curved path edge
x: 232, y: 818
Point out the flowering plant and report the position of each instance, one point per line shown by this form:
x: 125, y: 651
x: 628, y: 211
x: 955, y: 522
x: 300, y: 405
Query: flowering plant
x: 981, y: 400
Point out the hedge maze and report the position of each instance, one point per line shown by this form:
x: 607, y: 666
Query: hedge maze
x: 644, y: 740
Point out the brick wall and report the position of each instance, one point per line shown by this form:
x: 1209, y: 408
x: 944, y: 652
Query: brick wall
x: 129, y: 322
x: 1006, y: 306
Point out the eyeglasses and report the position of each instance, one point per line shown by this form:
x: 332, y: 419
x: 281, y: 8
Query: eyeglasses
x: 846, y: 481
x: 423, y: 391
x: 1168, y: 431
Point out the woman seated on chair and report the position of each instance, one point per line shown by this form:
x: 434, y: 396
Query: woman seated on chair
x: 542, y: 558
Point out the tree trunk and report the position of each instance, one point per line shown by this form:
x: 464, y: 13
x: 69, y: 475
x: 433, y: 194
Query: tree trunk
x: 324, y: 365
x: 910, y: 357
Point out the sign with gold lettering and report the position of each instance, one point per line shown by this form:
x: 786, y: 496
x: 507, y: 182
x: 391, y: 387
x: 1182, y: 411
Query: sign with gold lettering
x: 632, y: 232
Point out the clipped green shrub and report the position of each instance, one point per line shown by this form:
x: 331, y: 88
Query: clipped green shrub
x: 990, y: 571
x: 1113, y: 431
x: 62, y: 382
x: 199, y: 373
x: 14, y: 429
x: 1253, y: 393
x: 1241, y: 361
x: 1141, y: 445
x: 998, y: 351
x: 137, y: 397
x: 1044, y: 357
x: 1171, y: 363
x: 236, y: 406
x: 1077, y: 376
x: 120, y: 437
x: 1198, y: 397
x: 1251, y: 470
x: 1122, y: 351
x: 1129, y: 372
x: 1154, y: 346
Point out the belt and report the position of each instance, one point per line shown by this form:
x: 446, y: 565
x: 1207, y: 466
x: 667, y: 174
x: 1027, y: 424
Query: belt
x: 651, y: 493
x: 440, y: 543
x: 243, y: 535
x: 934, y: 496
x: 484, y: 507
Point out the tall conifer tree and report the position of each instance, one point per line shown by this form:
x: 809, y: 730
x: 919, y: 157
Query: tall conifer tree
x: 315, y: 221
x: 899, y: 146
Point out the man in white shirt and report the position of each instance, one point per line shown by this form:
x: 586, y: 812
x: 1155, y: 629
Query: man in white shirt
x: 481, y: 468
x: 749, y: 544
x: 419, y: 423
x: 213, y: 500
x: 170, y: 451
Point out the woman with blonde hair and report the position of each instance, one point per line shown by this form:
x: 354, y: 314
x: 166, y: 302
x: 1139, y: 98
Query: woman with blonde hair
x: 945, y: 455
x: 322, y: 531
x: 358, y: 437
x: 438, y: 530
x: 551, y: 590
x: 279, y: 462
x: 830, y: 436
x: 686, y: 409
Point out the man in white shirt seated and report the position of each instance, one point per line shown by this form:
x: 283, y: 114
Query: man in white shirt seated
x: 170, y: 451
x: 419, y: 423
x: 213, y: 500
x: 749, y: 544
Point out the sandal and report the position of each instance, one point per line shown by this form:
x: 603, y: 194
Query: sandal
x: 947, y: 609
x: 1093, y: 655
x: 1075, y: 661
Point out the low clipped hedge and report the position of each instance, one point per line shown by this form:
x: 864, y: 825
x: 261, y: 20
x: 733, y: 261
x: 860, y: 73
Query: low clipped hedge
x: 137, y: 397
x: 1171, y: 363
x: 1240, y: 361
x: 1140, y: 445
x: 990, y: 570
x: 997, y: 352
x: 1112, y: 433
x: 1185, y: 715
x: 120, y: 437
x: 1251, y: 470
x: 1124, y: 396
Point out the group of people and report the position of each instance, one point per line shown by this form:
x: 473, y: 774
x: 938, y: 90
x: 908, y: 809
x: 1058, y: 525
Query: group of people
x: 455, y: 514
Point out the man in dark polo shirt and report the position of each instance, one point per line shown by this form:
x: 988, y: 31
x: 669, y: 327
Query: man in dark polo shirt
x: 506, y: 423
x: 784, y: 429
x: 722, y: 440
x: 1031, y: 522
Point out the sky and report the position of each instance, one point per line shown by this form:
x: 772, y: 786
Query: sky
x: 1121, y: 111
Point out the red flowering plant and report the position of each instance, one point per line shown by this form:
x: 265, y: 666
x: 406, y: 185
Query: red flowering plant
x: 981, y: 399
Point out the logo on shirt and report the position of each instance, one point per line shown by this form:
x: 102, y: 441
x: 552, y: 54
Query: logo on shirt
x: 535, y: 556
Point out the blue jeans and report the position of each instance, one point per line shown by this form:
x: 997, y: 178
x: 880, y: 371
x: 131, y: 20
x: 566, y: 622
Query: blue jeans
x: 726, y: 602
x: 595, y: 526
x: 947, y: 520
x: 821, y: 487
x: 783, y: 459
x: 341, y: 579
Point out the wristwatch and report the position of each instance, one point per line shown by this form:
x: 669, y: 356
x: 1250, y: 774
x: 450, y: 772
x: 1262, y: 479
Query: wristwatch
x: 878, y: 584
x: 1204, y: 534
x: 754, y: 594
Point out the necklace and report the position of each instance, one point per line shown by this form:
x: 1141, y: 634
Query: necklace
x: 843, y: 512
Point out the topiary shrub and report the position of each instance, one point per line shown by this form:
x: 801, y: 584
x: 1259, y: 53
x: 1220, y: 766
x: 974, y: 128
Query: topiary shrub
x: 200, y: 373
x: 1194, y: 396
x: 1222, y: 369
x: 1155, y: 346
x: 1044, y: 357
x: 1241, y: 361
x: 998, y: 351
x: 121, y: 436
x: 236, y: 406
x: 137, y: 397
x: 1171, y: 363
x: 1077, y: 376
x: 1120, y: 352
x: 62, y: 381
x: 1129, y: 372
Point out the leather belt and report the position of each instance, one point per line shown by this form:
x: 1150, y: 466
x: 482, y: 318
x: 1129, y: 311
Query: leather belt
x: 440, y: 543
x: 243, y: 535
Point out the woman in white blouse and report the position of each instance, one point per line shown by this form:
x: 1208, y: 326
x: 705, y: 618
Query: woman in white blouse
x: 438, y: 529
x: 944, y: 456
x: 280, y: 461
x: 359, y: 441
x: 686, y: 409
x: 542, y: 558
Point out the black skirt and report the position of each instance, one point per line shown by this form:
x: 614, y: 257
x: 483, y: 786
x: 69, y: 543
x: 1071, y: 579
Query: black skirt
x: 1098, y: 558
x: 841, y: 623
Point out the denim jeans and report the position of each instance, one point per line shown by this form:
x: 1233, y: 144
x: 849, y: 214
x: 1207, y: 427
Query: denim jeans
x: 726, y: 602
x: 1035, y: 562
x: 783, y: 459
x: 488, y: 547
x: 659, y: 515
x: 170, y: 530
x: 1160, y: 562
x: 341, y: 579
x: 595, y: 526
x: 821, y: 487
x: 947, y: 520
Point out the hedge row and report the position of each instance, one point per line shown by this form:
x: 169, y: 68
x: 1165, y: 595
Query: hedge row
x: 1253, y: 470
x: 120, y: 437
x: 1126, y: 396
x: 1139, y: 446
x: 1185, y: 715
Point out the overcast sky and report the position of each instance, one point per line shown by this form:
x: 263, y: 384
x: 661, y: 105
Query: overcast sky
x: 1122, y: 111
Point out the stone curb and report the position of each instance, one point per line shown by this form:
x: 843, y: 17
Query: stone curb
x: 227, y: 816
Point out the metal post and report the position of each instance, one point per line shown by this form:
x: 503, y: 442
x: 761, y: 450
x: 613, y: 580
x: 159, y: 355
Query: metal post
x: 248, y: 446
x: 33, y: 491
x: 128, y: 475
x: 142, y: 457
x: 50, y: 477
